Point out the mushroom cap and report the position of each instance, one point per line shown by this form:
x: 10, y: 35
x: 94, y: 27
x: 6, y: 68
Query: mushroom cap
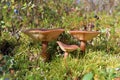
x: 67, y: 48
x: 84, y: 35
x: 43, y: 34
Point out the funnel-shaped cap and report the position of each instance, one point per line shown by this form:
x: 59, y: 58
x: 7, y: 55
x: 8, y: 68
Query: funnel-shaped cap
x: 44, y: 34
x: 84, y: 35
x: 67, y: 48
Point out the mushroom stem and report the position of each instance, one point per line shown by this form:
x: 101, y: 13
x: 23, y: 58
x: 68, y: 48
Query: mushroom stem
x: 44, y: 53
x: 65, y: 54
x: 83, y: 46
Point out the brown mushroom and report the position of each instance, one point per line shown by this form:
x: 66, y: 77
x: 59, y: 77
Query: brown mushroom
x: 84, y: 36
x: 45, y: 36
x: 67, y: 48
x: 12, y: 71
x: 118, y: 78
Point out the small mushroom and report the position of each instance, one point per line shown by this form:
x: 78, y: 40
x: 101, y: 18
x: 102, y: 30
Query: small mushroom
x: 67, y: 48
x: 118, y: 78
x: 12, y: 71
x: 84, y: 36
x: 45, y: 36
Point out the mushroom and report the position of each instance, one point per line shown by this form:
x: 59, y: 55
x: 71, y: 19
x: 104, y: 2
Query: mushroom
x: 117, y: 78
x: 45, y: 36
x: 67, y: 48
x: 83, y: 36
x: 12, y: 71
